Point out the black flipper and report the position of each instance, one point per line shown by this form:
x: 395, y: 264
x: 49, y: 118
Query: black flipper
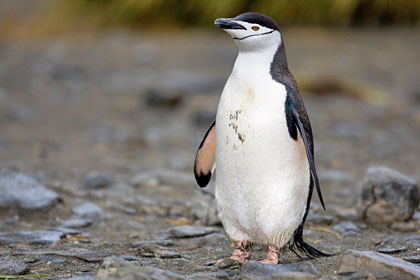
x: 205, y: 157
x: 302, y: 131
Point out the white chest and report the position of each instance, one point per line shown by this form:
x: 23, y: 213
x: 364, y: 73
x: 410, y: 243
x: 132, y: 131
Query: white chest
x: 262, y: 175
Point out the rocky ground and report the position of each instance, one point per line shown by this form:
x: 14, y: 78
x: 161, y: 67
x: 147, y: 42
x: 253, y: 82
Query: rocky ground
x: 99, y: 133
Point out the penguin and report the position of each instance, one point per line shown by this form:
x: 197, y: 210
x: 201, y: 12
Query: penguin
x: 262, y: 145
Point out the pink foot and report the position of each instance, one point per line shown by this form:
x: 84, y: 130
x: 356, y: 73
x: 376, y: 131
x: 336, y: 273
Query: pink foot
x: 272, y: 256
x: 241, y: 251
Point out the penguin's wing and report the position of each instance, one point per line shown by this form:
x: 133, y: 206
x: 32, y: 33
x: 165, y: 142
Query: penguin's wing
x: 301, y: 119
x: 205, y: 158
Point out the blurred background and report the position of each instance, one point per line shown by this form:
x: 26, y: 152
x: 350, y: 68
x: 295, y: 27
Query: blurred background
x: 107, y: 101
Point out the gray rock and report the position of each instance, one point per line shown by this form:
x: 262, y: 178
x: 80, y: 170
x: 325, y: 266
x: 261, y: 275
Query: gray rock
x: 347, y: 229
x: 84, y: 277
x: 166, y: 254
x: 41, y: 237
x: 162, y: 242
x: 216, y: 238
x: 21, y: 191
x: 203, y: 206
x: 76, y: 222
x: 117, y: 268
x: 387, y: 196
x: 389, y: 250
x: 88, y: 210
x: 221, y: 274
x: 379, y: 265
x: 97, y: 180
x: 189, y: 231
x: 257, y: 270
x: 320, y: 219
x: 12, y: 267
x: 413, y: 259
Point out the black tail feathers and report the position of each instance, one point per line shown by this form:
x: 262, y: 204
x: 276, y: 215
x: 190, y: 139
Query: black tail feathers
x: 297, y: 244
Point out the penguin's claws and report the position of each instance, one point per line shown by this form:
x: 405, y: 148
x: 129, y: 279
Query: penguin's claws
x: 272, y: 256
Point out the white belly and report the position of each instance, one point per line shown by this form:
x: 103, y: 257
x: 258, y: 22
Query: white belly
x: 262, y: 179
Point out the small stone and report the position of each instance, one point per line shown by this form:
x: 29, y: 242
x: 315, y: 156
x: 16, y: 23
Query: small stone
x: 404, y: 227
x: 379, y: 265
x: 390, y: 251
x: 88, y: 210
x: 257, y: 270
x: 76, y: 222
x: 416, y: 216
x: 83, y: 277
x: 387, y: 196
x: 162, y: 242
x: 413, y: 259
x: 216, y: 238
x: 97, y: 180
x: 41, y: 237
x: 116, y: 268
x: 189, y: 231
x: 126, y: 210
x: 13, y: 267
x: 320, y: 219
x: 148, y: 251
x: 347, y: 229
x: 221, y: 274
x: 166, y: 254
x: 229, y: 264
x: 21, y: 191
x: 203, y: 206
x: 346, y: 213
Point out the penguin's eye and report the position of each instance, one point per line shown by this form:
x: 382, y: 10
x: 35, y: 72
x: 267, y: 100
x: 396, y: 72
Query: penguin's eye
x: 255, y: 28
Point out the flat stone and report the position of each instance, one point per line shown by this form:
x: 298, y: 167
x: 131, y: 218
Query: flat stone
x: 347, y: 229
x: 97, y: 180
x: 162, y: 242
x: 76, y: 222
x: 320, y: 219
x: 257, y: 270
x: 216, y: 238
x: 166, y: 254
x: 203, y: 205
x: 41, y: 237
x: 23, y: 192
x: 379, y: 265
x: 13, y: 267
x: 413, y: 259
x: 88, y: 210
x: 221, y: 274
x: 387, y: 196
x: 189, y: 231
x: 116, y: 268
x: 229, y: 264
x: 390, y: 251
x: 84, y: 277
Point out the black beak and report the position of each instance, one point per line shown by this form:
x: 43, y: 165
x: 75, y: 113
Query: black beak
x: 226, y: 23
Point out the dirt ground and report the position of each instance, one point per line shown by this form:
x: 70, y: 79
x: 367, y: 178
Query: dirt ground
x: 126, y: 103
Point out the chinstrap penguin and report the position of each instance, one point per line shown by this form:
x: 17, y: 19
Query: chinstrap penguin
x: 262, y: 145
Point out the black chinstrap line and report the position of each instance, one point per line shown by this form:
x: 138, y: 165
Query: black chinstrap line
x: 253, y: 35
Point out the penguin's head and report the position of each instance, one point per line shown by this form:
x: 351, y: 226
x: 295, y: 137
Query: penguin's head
x: 251, y: 31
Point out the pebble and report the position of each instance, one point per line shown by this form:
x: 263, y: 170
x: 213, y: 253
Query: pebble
x: 390, y: 251
x: 22, y: 191
x: 379, y: 265
x: 347, y: 229
x: 114, y: 267
x: 301, y: 270
x: 413, y: 259
x: 76, y: 222
x: 405, y: 226
x: 387, y: 196
x: 190, y: 231
x: 320, y: 219
x: 166, y: 254
x: 88, y: 210
x: 162, y: 242
x: 40, y: 237
x: 221, y: 274
x: 13, y: 267
x: 216, y: 238
x: 97, y: 180
x: 203, y: 206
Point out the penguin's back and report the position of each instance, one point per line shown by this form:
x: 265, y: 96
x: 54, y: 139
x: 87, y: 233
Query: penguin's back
x: 263, y: 176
